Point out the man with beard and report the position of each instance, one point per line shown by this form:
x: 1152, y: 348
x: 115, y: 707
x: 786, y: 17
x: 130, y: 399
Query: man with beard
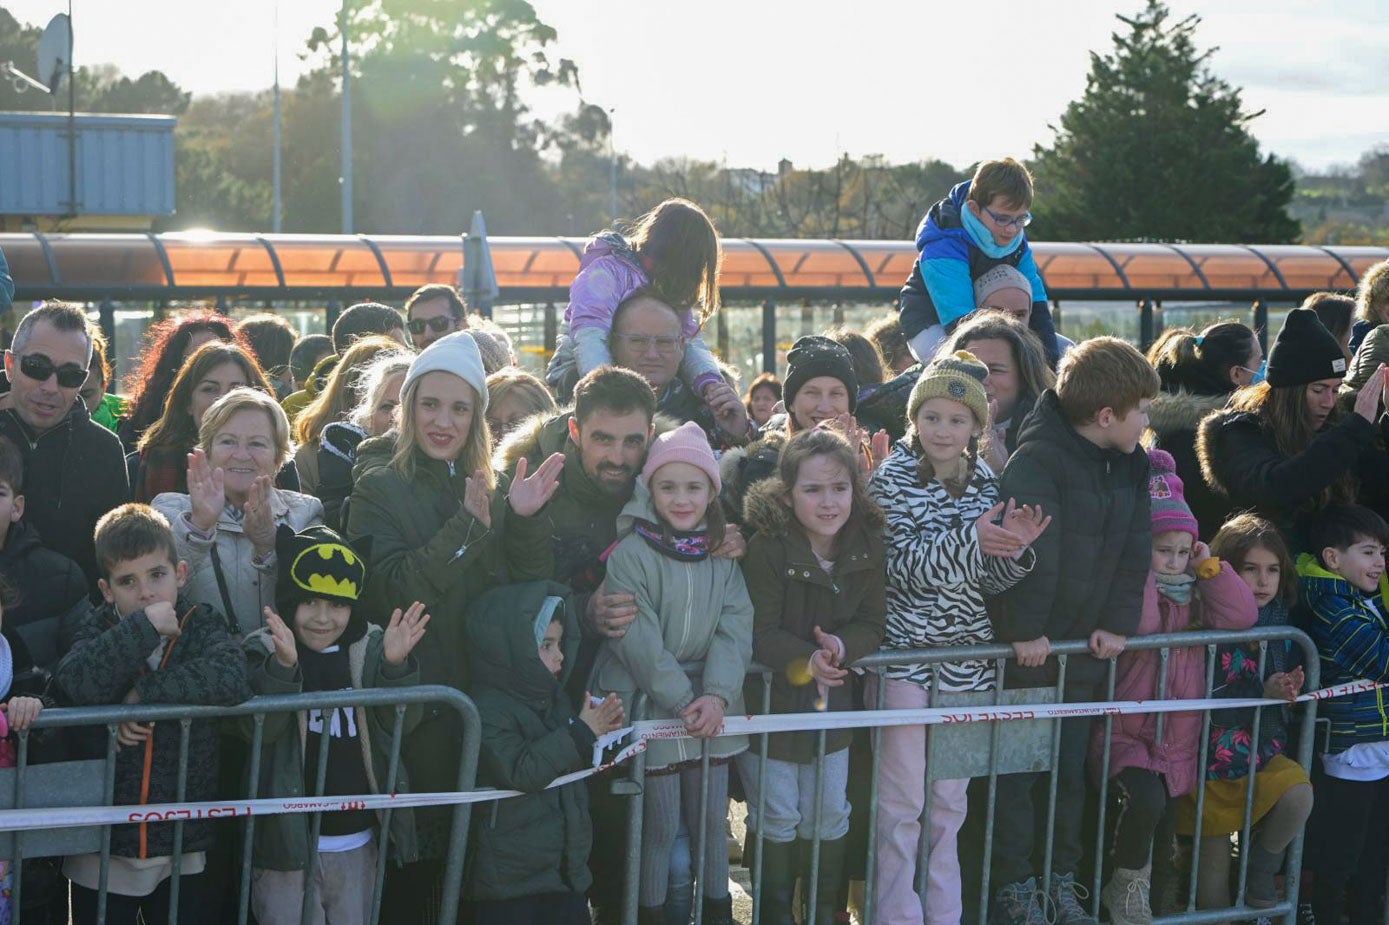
x: 604, y: 441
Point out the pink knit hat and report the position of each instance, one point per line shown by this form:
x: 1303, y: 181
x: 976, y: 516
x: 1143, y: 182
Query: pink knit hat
x: 1170, y: 511
x: 686, y: 444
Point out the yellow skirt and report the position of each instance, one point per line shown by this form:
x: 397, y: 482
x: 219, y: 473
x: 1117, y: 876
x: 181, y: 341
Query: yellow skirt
x: 1225, y: 798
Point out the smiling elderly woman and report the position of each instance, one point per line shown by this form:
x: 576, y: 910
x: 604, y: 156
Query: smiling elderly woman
x: 225, y: 525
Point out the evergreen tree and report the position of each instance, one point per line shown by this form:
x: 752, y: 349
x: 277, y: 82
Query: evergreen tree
x: 1158, y: 148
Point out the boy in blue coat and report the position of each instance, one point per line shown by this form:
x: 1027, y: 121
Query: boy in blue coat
x: 977, y: 227
x: 1343, y: 587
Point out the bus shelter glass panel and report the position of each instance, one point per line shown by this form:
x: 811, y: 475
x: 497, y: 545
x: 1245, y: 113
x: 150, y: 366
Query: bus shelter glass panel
x: 107, y: 260
x: 225, y: 261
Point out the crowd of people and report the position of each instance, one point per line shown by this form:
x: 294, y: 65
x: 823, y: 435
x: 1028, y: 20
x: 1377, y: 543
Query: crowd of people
x: 398, y: 503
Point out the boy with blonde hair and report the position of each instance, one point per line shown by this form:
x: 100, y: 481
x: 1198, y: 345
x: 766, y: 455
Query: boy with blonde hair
x: 1078, y: 458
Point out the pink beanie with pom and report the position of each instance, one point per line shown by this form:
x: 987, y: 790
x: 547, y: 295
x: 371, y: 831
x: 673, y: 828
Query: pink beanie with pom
x: 1170, y: 510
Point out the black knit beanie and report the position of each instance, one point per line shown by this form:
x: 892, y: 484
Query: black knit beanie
x: 812, y: 356
x: 1304, y: 352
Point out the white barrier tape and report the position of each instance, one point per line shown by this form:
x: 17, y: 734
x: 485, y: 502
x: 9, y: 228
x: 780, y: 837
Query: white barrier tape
x: 644, y: 731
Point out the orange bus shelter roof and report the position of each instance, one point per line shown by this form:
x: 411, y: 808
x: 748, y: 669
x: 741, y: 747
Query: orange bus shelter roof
x: 531, y: 269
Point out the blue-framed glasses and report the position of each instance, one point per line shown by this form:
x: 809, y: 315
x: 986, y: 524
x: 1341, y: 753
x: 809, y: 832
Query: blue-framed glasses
x: 1010, y: 221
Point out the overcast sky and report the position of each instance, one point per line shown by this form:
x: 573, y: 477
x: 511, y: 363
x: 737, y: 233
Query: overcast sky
x: 753, y: 81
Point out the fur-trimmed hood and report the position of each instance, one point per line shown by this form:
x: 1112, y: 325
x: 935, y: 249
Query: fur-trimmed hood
x: 742, y: 467
x: 534, y: 438
x: 764, y: 510
x: 1172, y: 412
x: 1213, y: 443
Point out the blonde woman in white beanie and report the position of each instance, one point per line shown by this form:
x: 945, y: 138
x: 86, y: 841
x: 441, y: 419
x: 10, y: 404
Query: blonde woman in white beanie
x: 443, y: 528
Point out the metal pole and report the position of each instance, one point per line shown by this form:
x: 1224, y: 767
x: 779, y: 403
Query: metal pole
x: 346, y: 128
x: 769, y: 336
x: 1146, y: 329
x: 72, y: 126
x: 612, y: 169
x: 275, y: 169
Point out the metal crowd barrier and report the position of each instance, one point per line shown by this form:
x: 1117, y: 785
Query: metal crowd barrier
x: 976, y: 750
x: 92, y: 783
x: 1010, y: 746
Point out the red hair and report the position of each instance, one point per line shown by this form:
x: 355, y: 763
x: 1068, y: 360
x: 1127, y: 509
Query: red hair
x: 162, y: 356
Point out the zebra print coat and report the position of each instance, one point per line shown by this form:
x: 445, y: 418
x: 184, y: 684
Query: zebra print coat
x: 937, y: 577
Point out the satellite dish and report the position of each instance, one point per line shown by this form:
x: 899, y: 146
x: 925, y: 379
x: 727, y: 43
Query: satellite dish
x: 55, y: 52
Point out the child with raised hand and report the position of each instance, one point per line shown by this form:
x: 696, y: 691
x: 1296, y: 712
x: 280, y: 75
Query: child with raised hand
x: 1282, y: 794
x: 530, y: 854
x: 674, y: 251
x: 1187, y: 588
x: 328, y: 644
x: 147, y: 644
x: 692, y: 607
x: 1342, y: 584
x: 814, y: 572
x: 950, y: 542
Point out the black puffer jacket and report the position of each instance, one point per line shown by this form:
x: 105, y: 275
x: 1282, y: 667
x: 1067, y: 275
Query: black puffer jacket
x: 1093, y: 560
x: 1174, y: 418
x: 73, y: 474
x: 47, y: 586
x: 1241, y: 459
x: 201, y: 667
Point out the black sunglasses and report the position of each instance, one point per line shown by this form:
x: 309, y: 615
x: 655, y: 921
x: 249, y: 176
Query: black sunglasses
x: 38, y: 367
x: 438, y: 324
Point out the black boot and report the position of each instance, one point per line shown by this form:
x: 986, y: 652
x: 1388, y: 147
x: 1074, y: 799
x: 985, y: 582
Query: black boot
x: 718, y: 911
x: 832, y: 855
x: 778, y: 882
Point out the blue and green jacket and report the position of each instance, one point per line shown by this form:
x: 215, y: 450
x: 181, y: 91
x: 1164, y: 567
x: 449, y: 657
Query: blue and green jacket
x: 956, y: 249
x: 1352, y: 637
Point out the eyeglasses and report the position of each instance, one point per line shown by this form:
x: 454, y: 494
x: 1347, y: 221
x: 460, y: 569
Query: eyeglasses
x: 438, y: 324
x: 1009, y: 221
x: 640, y: 343
x: 38, y: 367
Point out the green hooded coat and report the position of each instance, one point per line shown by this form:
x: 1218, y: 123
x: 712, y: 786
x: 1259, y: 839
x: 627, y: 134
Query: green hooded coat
x: 538, y: 843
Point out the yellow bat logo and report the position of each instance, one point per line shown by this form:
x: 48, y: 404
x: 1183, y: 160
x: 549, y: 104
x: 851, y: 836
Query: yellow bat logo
x: 329, y: 569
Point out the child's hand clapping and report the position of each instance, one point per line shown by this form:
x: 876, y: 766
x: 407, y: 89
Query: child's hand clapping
x: 164, y: 619
x: 824, y: 663
x: 403, y: 633
x: 286, y: 652
x: 704, y: 716
x: 22, y: 711
x: 995, y: 540
x: 1285, y: 685
x: 603, y: 717
x: 1026, y: 522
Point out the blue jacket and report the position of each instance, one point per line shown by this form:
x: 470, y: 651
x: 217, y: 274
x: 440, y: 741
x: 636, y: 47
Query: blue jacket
x: 940, y: 289
x: 6, y: 285
x: 1352, y: 640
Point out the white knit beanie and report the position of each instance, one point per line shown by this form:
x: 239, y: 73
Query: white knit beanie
x: 455, y: 353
